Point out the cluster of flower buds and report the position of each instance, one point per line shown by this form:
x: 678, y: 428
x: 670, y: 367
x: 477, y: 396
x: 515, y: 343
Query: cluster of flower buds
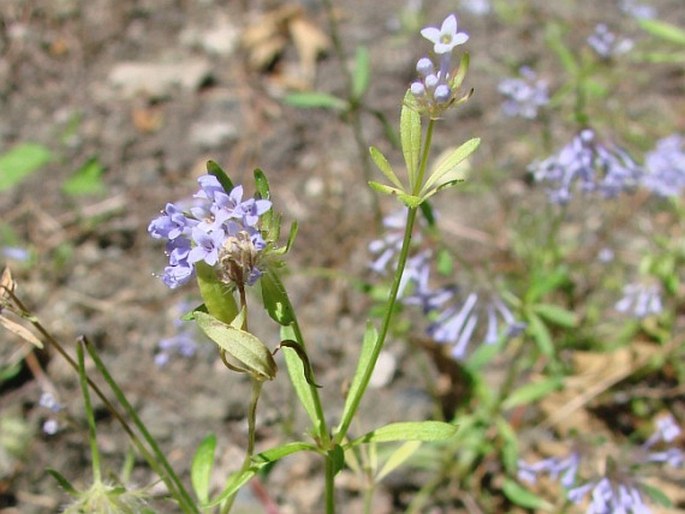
x: 437, y: 86
x: 220, y: 229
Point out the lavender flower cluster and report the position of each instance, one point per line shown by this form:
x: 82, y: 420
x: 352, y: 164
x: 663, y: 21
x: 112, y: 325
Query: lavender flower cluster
x: 607, y: 169
x: 606, y: 44
x: 610, y: 170
x: 220, y: 228
x: 640, y: 300
x: 433, y: 91
x: 524, y: 94
x: 456, y: 319
x: 620, y: 490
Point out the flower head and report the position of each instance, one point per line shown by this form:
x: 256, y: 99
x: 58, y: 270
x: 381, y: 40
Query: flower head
x: 640, y: 300
x: 208, y: 232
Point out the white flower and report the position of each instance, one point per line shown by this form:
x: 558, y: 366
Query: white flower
x: 446, y: 37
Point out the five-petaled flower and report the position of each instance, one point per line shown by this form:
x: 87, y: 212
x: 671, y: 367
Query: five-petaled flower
x: 446, y: 37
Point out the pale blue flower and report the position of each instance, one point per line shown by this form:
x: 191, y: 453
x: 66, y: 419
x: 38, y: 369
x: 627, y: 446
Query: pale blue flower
x: 606, y: 44
x: 525, y: 94
x: 640, y: 300
x: 665, y: 167
x: 446, y: 38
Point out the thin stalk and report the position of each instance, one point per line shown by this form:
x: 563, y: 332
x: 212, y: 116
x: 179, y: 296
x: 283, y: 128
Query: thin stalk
x: 353, y: 113
x: 172, y: 479
x: 329, y: 475
x: 385, y: 326
x: 251, y: 436
x: 165, y: 471
x: 92, y: 437
x: 424, y: 157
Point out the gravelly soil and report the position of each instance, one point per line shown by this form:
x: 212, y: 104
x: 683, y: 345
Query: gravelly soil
x: 94, y: 265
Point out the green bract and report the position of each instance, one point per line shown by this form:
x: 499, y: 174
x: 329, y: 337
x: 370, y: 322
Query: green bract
x: 243, y: 351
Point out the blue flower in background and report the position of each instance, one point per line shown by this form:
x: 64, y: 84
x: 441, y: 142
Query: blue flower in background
x: 640, y: 300
x: 590, y: 166
x: 524, y: 95
x: 606, y: 44
x: 665, y: 167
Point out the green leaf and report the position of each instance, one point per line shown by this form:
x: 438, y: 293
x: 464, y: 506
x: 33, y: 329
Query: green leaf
x: 246, y: 351
x: 428, y: 213
x: 201, y: 468
x: 545, y: 282
x: 368, y: 342
x: 411, y: 201
x: 532, y: 392
x: 63, y: 482
x: 21, y: 161
x: 383, y: 165
x: 217, y: 297
x: 397, y: 458
x: 410, y: 138
x: 541, y: 335
x: 214, y: 169
x: 297, y: 378
x: 408, y: 431
x: 556, y: 315
x: 459, y: 76
x: 262, y: 184
x: 337, y: 456
x: 449, y: 163
x: 523, y: 497
x: 235, y: 482
x: 291, y: 236
x: 277, y: 453
x: 87, y: 180
x: 509, y: 446
x: 444, y: 261
x: 554, y: 38
x: 275, y: 298
x: 302, y: 355
x: 382, y: 188
x: 663, y: 30
x: 314, y: 100
x: 361, y: 73
x: 657, y: 495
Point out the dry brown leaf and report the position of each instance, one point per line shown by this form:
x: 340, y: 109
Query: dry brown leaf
x: 596, y: 373
x: 266, y: 38
x: 147, y: 119
x: 21, y: 331
x: 310, y: 43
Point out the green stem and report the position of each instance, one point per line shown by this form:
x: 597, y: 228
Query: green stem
x: 330, y: 485
x: 387, y: 318
x: 251, y: 437
x: 92, y: 437
x: 394, y: 291
x: 424, y: 158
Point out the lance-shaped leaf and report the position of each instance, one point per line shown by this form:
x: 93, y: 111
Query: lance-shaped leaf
x: 365, y: 353
x: 218, y: 298
x: 275, y: 298
x: 201, y: 468
x: 214, y: 169
x: 397, y: 458
x: 408, y: 431
x: 302, y: 355
x: 361, y: 73
x: 410, y: 138
x: 315, y: 99
x: 459, y: 76
x: 383, y: 165
x: 247, y: 352
x: 410, y: 201
x: 449, y: 163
